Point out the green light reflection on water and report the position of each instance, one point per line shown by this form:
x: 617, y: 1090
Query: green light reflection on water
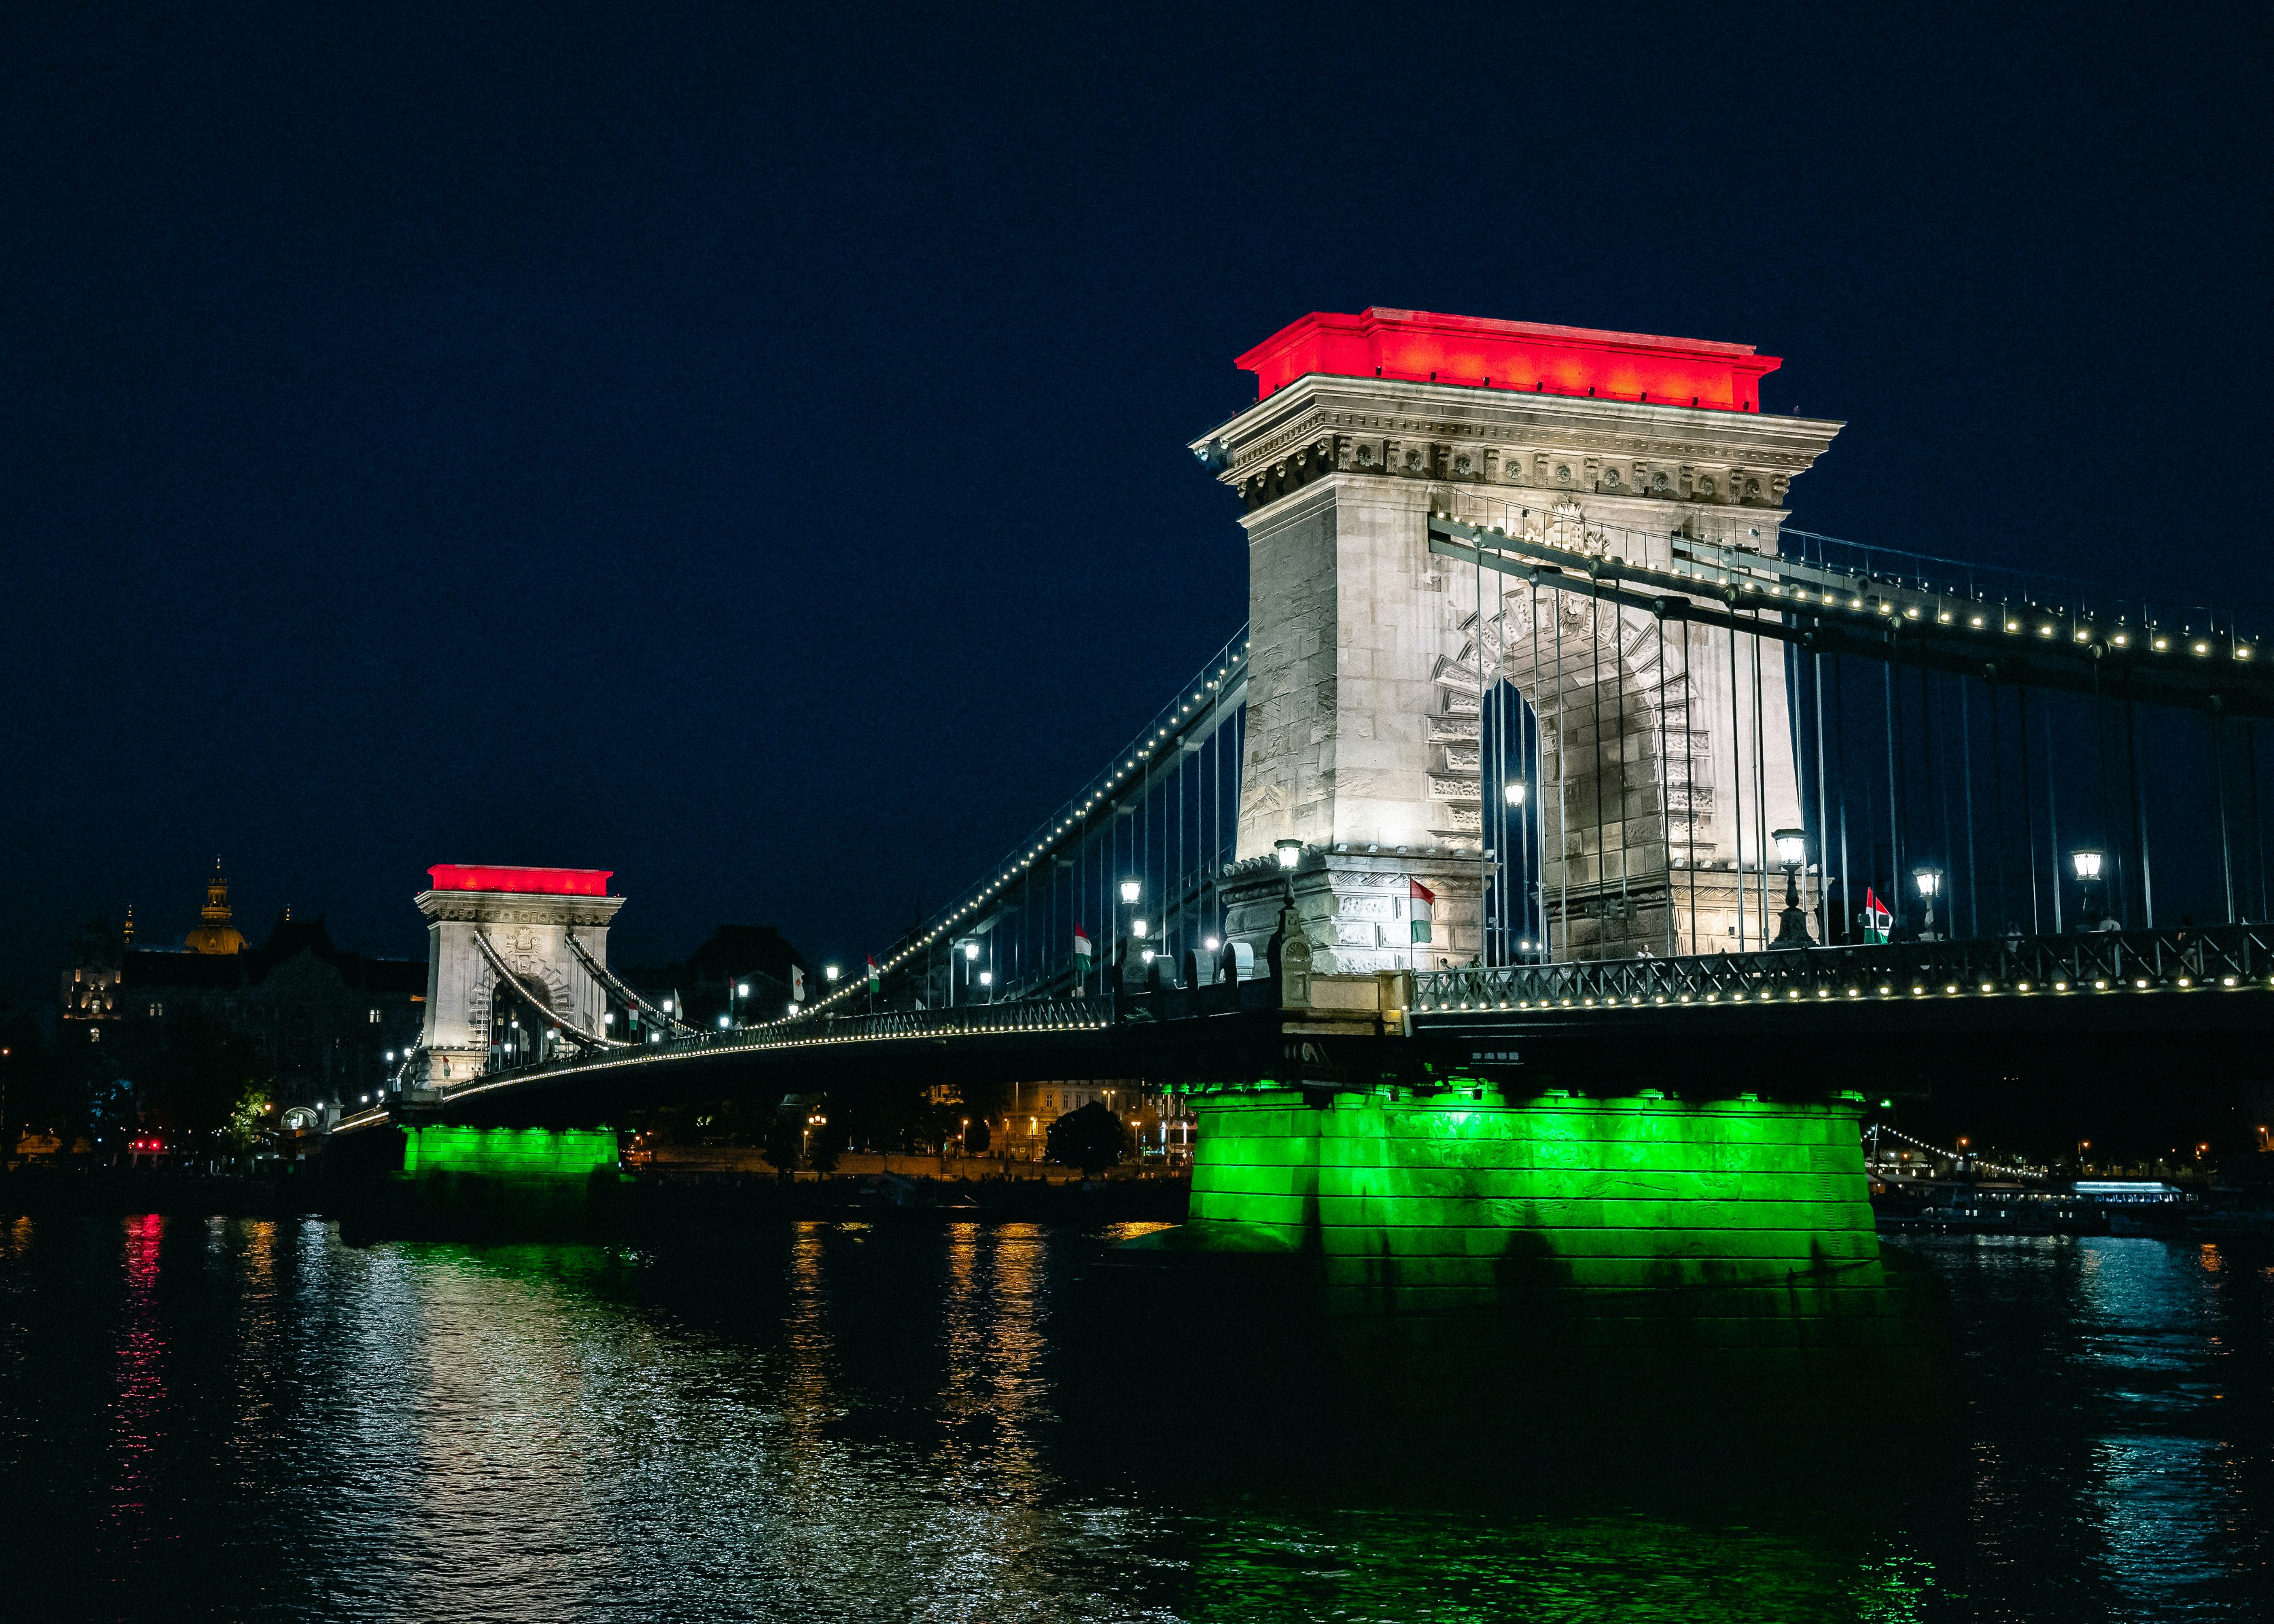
x: 1436, y: 1568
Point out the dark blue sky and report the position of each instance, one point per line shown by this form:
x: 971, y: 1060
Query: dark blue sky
x: 744, y: 447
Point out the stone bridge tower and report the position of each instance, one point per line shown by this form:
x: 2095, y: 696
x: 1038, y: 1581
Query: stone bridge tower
x: 1367, y: 653
x: 523, y: 917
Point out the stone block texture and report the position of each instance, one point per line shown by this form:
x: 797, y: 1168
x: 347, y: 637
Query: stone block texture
x: 1746, y: 1221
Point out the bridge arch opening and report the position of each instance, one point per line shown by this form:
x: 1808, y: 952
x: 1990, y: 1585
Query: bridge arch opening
x: 521, y: 1015
x: 1660, y: 757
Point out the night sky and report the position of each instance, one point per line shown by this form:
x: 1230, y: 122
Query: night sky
x: 744, y: 447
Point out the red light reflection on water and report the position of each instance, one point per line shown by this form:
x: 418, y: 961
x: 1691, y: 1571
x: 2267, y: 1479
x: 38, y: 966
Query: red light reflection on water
x: 137, y: 1403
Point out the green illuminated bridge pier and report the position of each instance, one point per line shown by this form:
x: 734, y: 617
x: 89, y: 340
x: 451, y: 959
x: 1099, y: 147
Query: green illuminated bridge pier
x: 1539, y: 894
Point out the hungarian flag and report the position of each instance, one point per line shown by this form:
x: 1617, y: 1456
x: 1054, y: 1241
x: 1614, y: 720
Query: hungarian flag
x: 1082, y: 952
x: 1879, y: 923
x: 876, y: 976
x: 1423, y: 910
x: 797, y: 984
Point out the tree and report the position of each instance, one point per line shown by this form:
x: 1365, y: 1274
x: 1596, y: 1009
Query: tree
x: 1091, y: 1139
x: 250, y: 1119
x: 885, y: 1115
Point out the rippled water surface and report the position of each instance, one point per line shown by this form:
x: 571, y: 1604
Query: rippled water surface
x: 244, y: 1419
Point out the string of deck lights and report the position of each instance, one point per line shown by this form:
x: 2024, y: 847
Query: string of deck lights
x: 1956, y: 1156
x: 1870, y: 595
x: 1166, y: 727
x: 1032, y: 1017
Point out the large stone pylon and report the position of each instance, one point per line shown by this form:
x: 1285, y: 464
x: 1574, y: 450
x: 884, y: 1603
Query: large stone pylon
x: 479, y: 917
x: 1666, y: 750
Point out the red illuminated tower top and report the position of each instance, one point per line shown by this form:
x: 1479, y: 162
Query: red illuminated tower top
x: 1522, y: 356
x: 520, y: 880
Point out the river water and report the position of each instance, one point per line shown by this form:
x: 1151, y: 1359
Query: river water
x: 234, y: 1418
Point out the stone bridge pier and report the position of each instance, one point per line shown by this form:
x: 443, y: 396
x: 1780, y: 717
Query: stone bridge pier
x: 1666, y: 753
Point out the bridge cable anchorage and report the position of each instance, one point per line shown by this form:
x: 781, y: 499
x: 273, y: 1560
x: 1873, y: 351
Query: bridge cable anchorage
x: 576, y: 1034
x: 610, y: 982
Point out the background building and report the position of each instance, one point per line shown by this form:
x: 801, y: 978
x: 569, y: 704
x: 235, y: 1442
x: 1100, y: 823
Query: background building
x: 323, y: 1020
x: 1160, y: 1123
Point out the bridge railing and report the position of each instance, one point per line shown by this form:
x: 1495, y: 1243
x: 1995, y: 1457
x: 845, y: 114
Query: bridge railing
x: 2216, y: 955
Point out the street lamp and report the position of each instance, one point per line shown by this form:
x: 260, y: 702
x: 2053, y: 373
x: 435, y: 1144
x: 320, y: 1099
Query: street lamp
x: 1930, y: 887
x: 971, y: 950
x: 2087, y: 862
x: 1792, y: 853
x: 1137, y: 928
x: 1131, y: 890
x: 1515, y: 794
x: 829, y: 973
x: 1289, y: 853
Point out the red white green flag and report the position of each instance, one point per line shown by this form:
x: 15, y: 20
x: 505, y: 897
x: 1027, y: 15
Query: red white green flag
x: 1878, y: 922
x: 1422, y: 911
x: 876, y: 976
x: 1081, y: 943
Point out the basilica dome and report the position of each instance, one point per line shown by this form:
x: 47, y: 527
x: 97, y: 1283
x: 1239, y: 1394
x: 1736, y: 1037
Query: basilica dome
x: 215, y: 933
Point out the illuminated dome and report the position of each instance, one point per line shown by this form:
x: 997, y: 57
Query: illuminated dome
x: 215, y: 933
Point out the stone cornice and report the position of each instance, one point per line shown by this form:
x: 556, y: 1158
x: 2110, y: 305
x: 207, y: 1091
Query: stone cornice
x: 503, y: 907
x: 1387, y: 429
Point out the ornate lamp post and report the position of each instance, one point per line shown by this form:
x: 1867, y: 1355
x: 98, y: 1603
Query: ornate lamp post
x: 1289, y: 853
x: 2087, y: 862
x: 1130, y: 890
x: 1513, y: 793
x: 1929, y: 887
x: 1792, y: 854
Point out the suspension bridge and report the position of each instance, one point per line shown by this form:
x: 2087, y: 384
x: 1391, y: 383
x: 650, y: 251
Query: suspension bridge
x: 1549, y: 755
